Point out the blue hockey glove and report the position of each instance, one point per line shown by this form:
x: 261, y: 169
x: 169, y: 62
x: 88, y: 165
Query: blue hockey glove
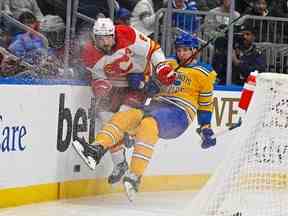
x: 207, y: 136
x: 152, y: 87
x: 135, y: 81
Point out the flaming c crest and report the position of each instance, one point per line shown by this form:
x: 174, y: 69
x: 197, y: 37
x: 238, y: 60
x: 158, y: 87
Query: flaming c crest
x: 120, y: 66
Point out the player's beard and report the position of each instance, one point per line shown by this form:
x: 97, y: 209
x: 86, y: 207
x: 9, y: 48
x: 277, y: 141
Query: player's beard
x: 106, y: 49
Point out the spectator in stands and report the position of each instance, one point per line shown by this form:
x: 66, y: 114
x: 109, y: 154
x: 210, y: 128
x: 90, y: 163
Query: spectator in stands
x: 259, y: 8
x: 28, y: 45
x: 16, y: 7
x: 187, y: 22
x: 247, y: 58
x: 264, y: 29
x: 143, y: 17
x: 122, y: 16
x: 216, y: 21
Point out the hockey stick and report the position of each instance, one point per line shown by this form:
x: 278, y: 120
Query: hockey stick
x: 226, y: 130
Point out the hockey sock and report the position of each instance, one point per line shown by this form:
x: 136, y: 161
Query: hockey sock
x: 113, y: 131
x: 147, y: 137
x: 118, y: 153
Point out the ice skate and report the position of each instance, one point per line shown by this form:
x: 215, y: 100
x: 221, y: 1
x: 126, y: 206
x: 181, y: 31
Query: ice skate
x: 118, y: 172
x: 131, y: 184
x: 90, y: 153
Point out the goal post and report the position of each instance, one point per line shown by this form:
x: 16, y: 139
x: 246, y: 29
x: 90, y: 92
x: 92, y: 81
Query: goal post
x: 252, y: 179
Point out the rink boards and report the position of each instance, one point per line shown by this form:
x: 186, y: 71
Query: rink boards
x: 38, y: 121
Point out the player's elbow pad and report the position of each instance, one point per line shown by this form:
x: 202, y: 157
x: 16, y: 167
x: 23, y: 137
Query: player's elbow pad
x: 101, y: 87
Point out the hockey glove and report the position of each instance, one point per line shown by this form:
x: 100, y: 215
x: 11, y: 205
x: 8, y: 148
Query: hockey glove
x: 165, y: 74
x: 101, y: 87
x: 152, y: 87
x: 207, y: 136
x: 135, y: 81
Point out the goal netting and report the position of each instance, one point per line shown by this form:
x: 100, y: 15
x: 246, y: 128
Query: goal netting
x: 252, y: 179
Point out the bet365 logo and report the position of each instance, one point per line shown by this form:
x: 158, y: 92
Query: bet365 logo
x: 82, y: 121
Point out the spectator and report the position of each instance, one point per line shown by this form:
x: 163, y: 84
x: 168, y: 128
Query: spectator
x: 247, y: 58
x: 144, y: 17
x: 122, y: 16
x: 260, y: 8
x: 28, y: 45
x: 16, y: 7
x: 214, y: 21
x: 186, y: 22
x: 264, y: 29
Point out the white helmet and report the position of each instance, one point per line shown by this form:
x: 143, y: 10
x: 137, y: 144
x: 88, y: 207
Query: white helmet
x: 103, y: 26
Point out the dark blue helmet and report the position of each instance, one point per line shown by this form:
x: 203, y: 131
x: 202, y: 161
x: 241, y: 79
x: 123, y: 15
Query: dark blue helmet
x: 123, y: 13
x: 186, y: 40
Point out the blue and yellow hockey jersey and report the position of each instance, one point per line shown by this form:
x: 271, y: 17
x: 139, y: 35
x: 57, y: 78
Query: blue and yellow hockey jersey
x: 192, y: 90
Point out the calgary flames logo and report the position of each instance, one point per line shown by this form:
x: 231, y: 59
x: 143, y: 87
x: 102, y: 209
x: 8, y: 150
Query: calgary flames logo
x: 121, y: 66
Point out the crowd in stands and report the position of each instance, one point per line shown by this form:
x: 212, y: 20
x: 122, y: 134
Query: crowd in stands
x: 29, y: 50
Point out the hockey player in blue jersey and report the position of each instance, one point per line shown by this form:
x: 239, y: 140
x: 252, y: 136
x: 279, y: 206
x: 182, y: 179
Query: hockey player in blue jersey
x: 186, y: 93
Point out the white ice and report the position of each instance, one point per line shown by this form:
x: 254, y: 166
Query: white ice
x: 146, y: 204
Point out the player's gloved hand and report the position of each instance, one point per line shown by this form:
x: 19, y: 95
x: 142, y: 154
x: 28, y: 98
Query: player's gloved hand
x: 101, y: 87
x: 152, y: 87
x: 207, y: 136
x: 136, y: 81
x: 165, y: 74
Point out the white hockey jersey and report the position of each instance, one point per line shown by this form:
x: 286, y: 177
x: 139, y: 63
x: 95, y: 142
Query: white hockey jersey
x: 133, y: 53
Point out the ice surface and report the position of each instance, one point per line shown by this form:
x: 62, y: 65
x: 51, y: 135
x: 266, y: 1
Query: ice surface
x: 146, y: 204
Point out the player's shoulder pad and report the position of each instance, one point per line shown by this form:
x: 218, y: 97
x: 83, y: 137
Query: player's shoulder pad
x: 171, y: 60
x: 202, y: 67
x: 125, y: 35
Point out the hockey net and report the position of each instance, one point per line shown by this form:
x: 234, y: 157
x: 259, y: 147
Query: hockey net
x: 252, y: 180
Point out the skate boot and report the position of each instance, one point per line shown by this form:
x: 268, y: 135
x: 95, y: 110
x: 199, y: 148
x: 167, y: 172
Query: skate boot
x: 118, y: 172
x: 90, y: 153
x: 131, y: 184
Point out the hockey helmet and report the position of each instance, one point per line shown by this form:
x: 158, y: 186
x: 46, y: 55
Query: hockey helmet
x: 186, y: 40
x: 103, y: 27
x: 53, y: 28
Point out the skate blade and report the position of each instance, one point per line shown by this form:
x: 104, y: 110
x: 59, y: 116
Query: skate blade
x: 130, y: 192
x: 90, y: 162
